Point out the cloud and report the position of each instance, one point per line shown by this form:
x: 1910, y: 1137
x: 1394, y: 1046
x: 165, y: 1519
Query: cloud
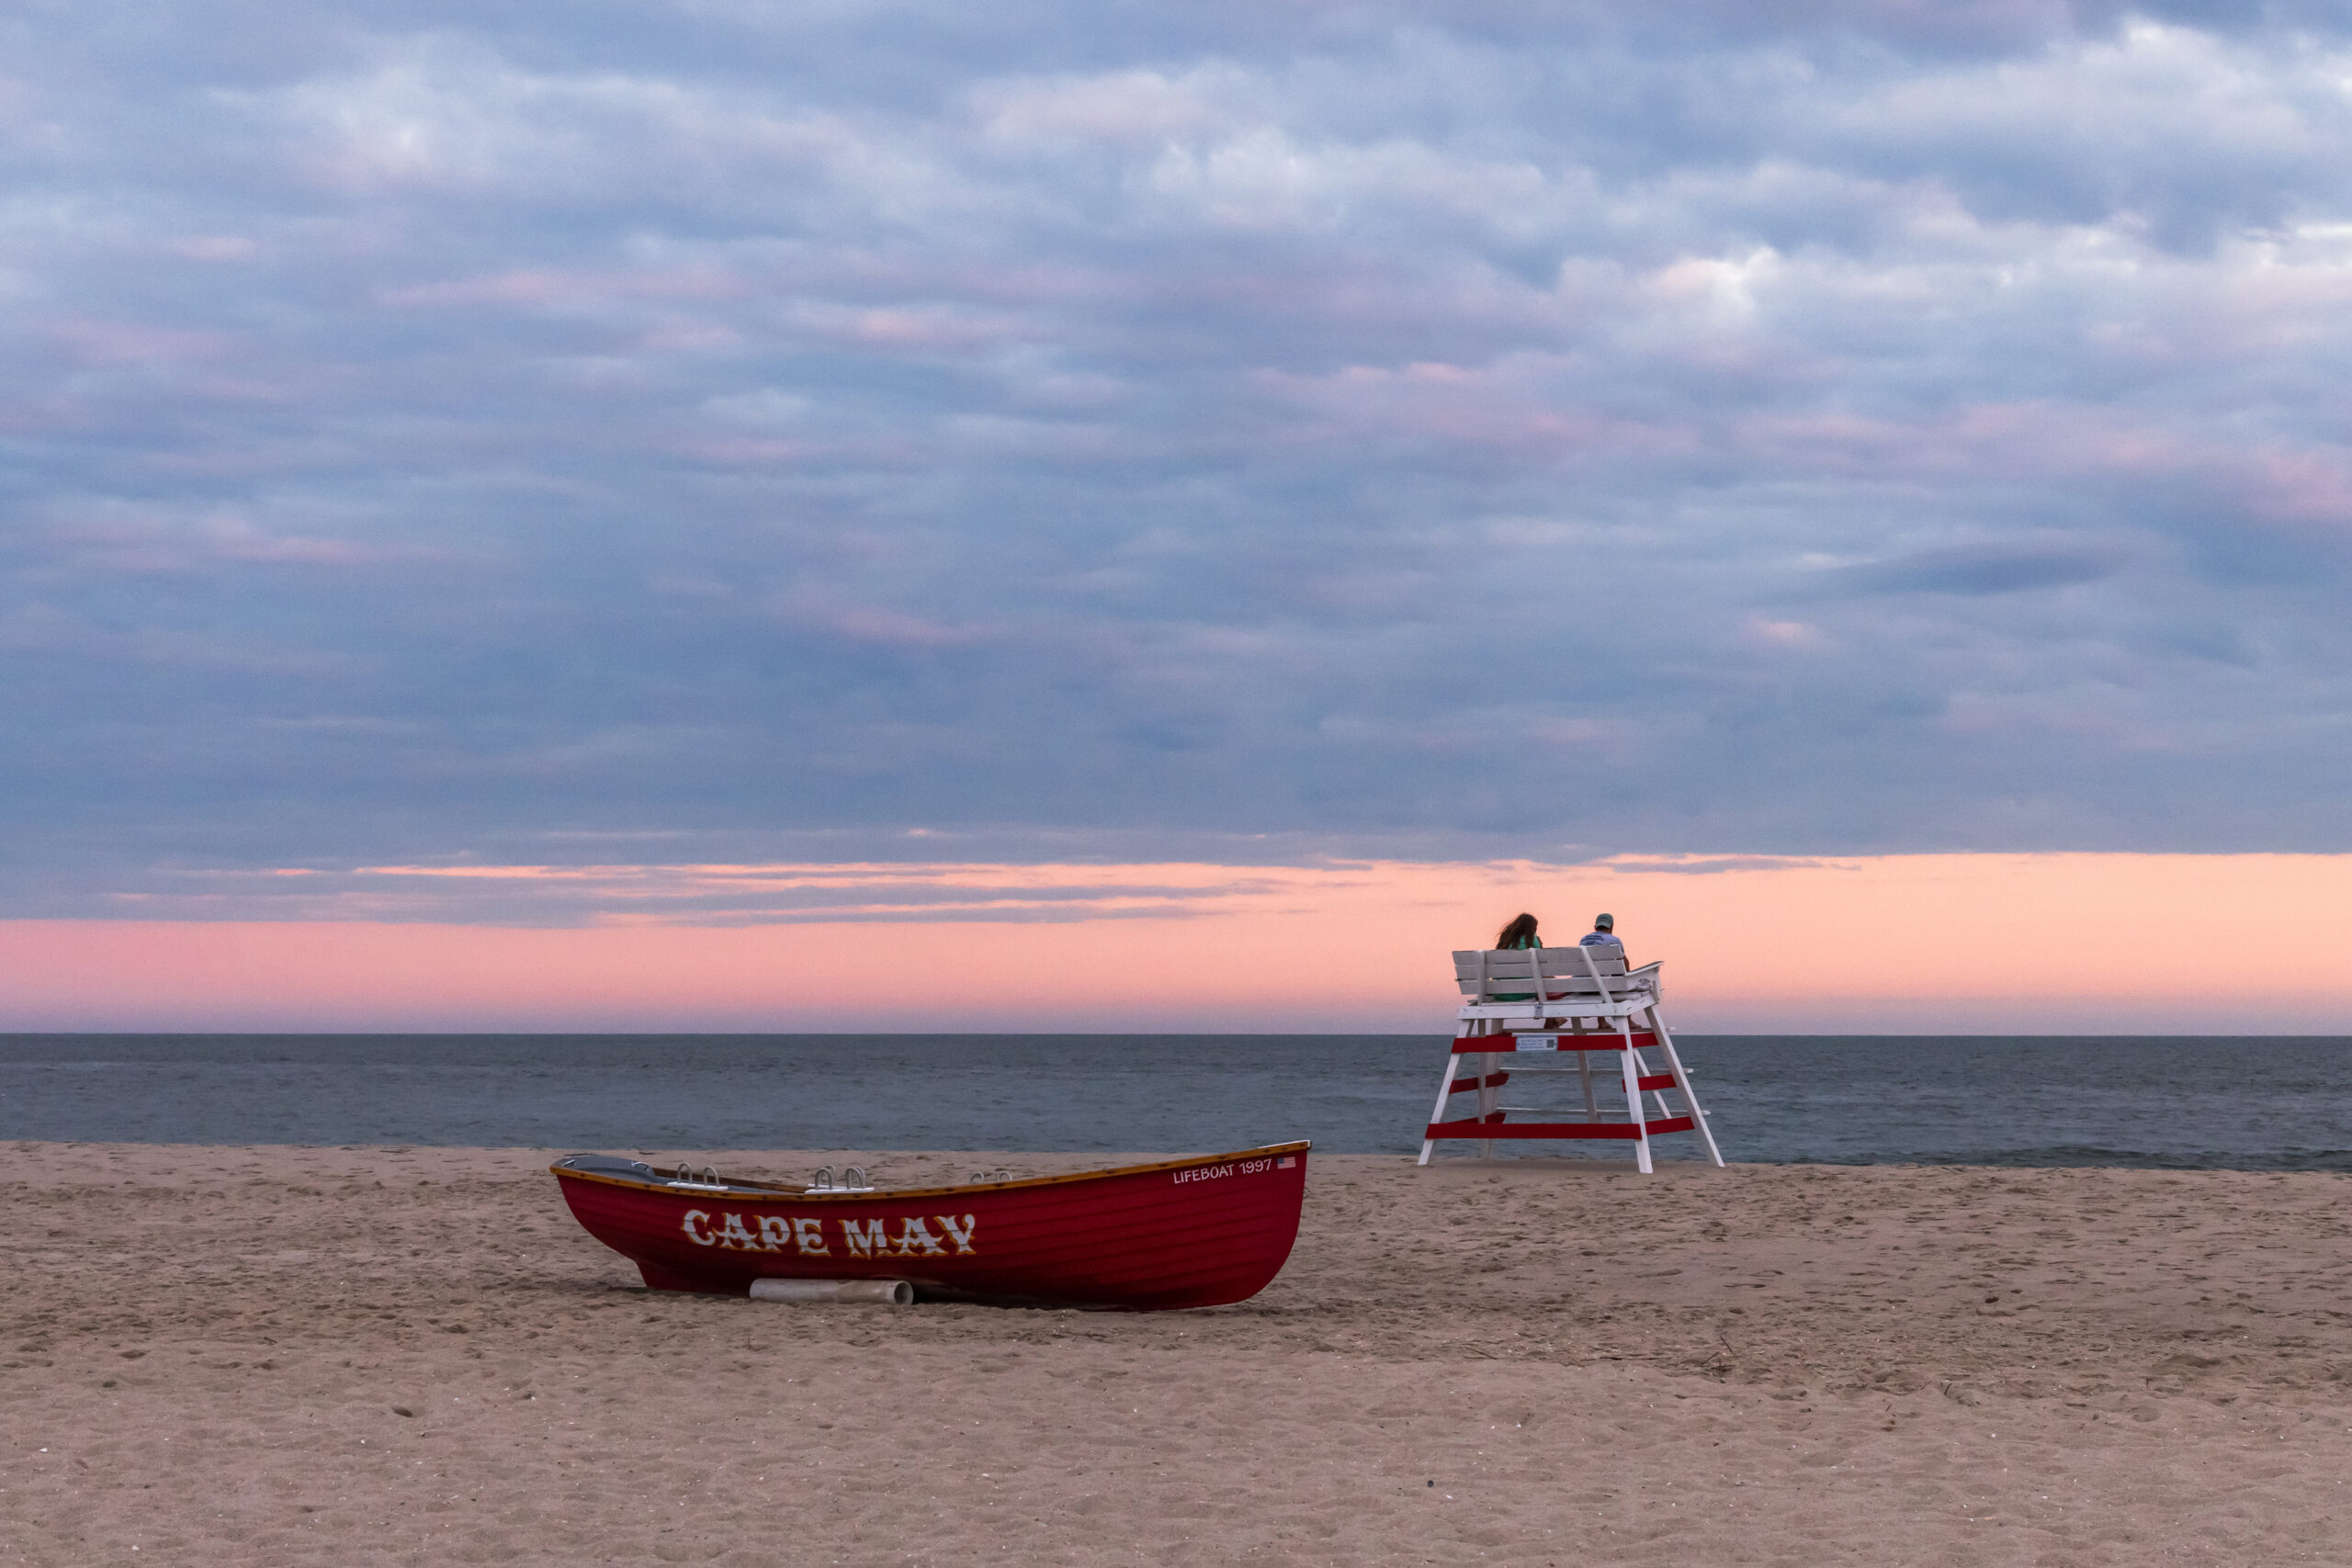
x: 1977, y: 570
x: 1802, y: 430
x: 1713, y: 865
x: 831, y: 893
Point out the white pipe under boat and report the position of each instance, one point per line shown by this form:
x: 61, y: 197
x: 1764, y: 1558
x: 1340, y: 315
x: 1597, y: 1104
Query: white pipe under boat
x: 881, y: 1292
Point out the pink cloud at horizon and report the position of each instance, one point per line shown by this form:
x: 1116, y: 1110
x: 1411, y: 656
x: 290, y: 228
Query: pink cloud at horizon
x: 2048, y: 944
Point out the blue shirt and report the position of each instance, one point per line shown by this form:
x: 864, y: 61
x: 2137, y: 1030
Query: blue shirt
x: 1601, y: 939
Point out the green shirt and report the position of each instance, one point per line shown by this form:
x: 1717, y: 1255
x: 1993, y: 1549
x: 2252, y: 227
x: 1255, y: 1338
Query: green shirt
x: 1517, y: 995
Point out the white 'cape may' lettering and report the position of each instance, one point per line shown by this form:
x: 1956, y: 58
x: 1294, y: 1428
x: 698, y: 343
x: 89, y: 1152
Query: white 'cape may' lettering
x: 804, y: 1234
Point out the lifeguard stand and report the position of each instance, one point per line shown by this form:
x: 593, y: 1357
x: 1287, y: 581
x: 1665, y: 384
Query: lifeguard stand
x: 1555, y: 1001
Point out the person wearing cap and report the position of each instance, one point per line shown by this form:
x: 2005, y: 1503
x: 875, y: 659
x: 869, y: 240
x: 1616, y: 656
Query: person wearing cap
x: 1603, y: 934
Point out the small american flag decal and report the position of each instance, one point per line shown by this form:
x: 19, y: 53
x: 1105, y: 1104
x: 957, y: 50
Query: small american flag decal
x: 1286, y: 1162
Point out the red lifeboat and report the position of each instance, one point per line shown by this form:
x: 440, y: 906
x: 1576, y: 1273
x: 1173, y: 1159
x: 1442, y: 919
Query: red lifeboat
x: 1201, y: 1231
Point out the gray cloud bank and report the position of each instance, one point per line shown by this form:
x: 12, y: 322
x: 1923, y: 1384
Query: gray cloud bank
x: 704, y: 431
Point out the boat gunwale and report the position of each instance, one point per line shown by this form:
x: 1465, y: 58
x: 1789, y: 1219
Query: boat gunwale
x: 877, y: 1194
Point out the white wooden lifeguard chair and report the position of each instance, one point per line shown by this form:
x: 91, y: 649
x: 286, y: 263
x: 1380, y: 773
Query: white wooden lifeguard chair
x: 1555, y: 1001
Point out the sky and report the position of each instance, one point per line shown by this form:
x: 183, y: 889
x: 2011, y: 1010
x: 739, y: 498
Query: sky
x: 784, y: 473
x: 1908, y: 944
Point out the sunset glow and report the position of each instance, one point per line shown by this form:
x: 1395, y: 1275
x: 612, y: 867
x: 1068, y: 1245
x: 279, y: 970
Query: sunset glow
x: 1909, y: 943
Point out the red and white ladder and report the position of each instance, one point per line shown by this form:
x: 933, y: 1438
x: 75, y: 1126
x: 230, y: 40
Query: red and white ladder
x: 1554, y: 1005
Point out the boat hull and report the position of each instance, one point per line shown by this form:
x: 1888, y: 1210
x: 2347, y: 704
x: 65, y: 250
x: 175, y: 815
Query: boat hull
x: 1198, y: 1232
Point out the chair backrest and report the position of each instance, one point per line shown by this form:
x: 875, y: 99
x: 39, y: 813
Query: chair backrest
x: 1494, y: 974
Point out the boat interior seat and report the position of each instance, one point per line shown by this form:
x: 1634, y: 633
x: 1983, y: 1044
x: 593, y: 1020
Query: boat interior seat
x: 707, y: 1180
x: 608, y: 1165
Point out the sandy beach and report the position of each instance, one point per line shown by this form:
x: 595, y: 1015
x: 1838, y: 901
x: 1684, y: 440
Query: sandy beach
x: 359, y: 1356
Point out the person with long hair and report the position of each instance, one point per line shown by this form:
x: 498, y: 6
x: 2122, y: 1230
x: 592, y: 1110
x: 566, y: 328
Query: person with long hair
x: 1519, y: 932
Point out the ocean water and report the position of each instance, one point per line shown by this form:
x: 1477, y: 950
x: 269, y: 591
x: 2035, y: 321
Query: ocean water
x: 2253, y: 1103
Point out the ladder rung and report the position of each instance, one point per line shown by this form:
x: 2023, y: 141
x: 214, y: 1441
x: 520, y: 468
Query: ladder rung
x: 1651, y: 1081
x: 1479, y: 1044
x: 1558, y: 1129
